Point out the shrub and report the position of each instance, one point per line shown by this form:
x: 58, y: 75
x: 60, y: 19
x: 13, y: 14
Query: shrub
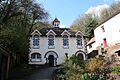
x: 116, y: 70
x: 74, y: 69
x: 95, y: 65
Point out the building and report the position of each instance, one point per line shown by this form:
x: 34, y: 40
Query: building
x: 52, y: 45
x: 107, y: 34
x: 91, y: 48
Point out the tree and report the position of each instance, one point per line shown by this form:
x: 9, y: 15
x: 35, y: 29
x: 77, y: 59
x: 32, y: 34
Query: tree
x: 17, y: 19
x: 90, y: 26
x: 79, y: 24
x: 86, y: 24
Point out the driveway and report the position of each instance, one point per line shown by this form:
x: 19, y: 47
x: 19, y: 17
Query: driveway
x: 42, y: 74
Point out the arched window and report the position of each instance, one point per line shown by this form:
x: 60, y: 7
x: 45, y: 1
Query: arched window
x: 79, y: 41
x: 65, y: 41
x: 36, y: 41
x: 35, y: 57
x: 50, y: 41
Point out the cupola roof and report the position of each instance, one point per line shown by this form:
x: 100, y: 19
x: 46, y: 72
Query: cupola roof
x: 56, y: 20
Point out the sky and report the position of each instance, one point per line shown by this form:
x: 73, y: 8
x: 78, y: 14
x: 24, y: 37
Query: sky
x: 67, y: 11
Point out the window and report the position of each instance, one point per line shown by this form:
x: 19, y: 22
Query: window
x: 50, y: 41
x: 65, y: 41
x: 79, y: 41
x: 35, y: 57
x: 103, y: 29
x: 90, y: 46
x: 35, y: 41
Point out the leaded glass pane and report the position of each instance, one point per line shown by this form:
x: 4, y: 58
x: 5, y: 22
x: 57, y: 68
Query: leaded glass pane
x: 36, y: 40
x: 51, y: 40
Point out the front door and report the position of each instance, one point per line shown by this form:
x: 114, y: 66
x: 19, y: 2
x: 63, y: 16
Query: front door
x: 80, y: 57
x: 51, y: 60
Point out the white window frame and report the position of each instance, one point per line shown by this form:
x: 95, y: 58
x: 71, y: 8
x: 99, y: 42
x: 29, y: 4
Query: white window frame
x: 103, y: 29
x: 66, y: 46
x: 81, y: 42
x: 51, y: 46
x: 36, y: 46
x: 36, y: 59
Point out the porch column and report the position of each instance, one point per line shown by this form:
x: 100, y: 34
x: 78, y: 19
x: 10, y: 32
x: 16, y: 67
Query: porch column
x: 55, y: 61
x: 47, y: 61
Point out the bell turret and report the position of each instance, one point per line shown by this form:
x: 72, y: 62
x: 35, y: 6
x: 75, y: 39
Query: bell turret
x: 56, y: 23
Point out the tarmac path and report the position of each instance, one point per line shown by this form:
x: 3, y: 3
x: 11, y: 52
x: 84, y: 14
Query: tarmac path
x: 42, y: 74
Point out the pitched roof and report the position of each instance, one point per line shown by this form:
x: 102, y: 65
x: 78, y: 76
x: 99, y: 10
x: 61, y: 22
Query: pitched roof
x: 35, y: 31
x: 91, y: 41
x: 57, y: 30
x: 56, y: 20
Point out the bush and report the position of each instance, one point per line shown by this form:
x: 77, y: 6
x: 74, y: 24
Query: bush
x: 95, y: 65
x: 116, y: 70
x: 74, y: 69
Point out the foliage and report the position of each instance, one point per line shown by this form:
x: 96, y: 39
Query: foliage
x: 90, y: 26
x: 108, y: 12
x: 116, y: 70
x: 17, y: 19
x: 74, y: 69
x: 95, y: 65
x: 79, y: 24
x: 87, y: 76
x: 86, y: 23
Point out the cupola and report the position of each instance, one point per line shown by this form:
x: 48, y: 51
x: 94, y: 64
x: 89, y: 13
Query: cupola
x: 56, y: 22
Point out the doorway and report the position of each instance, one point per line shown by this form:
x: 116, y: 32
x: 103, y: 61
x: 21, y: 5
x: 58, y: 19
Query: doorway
x: 80, y: 57
x: 51, y: 60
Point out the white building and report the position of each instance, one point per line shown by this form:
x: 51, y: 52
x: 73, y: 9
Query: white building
x: 91, y: 48
x: 53, y: 45
x: 108, y: 33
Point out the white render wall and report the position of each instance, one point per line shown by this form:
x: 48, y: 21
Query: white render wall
x: 112, y: 31
x: 91, y: 49
x: 58, y: 43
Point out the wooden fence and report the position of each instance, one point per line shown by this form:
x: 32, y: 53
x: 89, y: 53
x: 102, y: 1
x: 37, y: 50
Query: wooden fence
x: 4, y: 64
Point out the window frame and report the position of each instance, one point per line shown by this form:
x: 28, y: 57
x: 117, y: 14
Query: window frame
x: 103, y: 29
x: 37, y: 57
x: 64, y: 42
x: 80, y: 45
x: 90, y: 46
x: 52, y: 40
x: 36, y: 44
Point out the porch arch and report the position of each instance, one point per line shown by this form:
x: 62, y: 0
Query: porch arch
x: 81, y: 54
x: 51, y: 55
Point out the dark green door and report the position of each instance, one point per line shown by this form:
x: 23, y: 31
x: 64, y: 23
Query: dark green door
x: 51, y: 60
